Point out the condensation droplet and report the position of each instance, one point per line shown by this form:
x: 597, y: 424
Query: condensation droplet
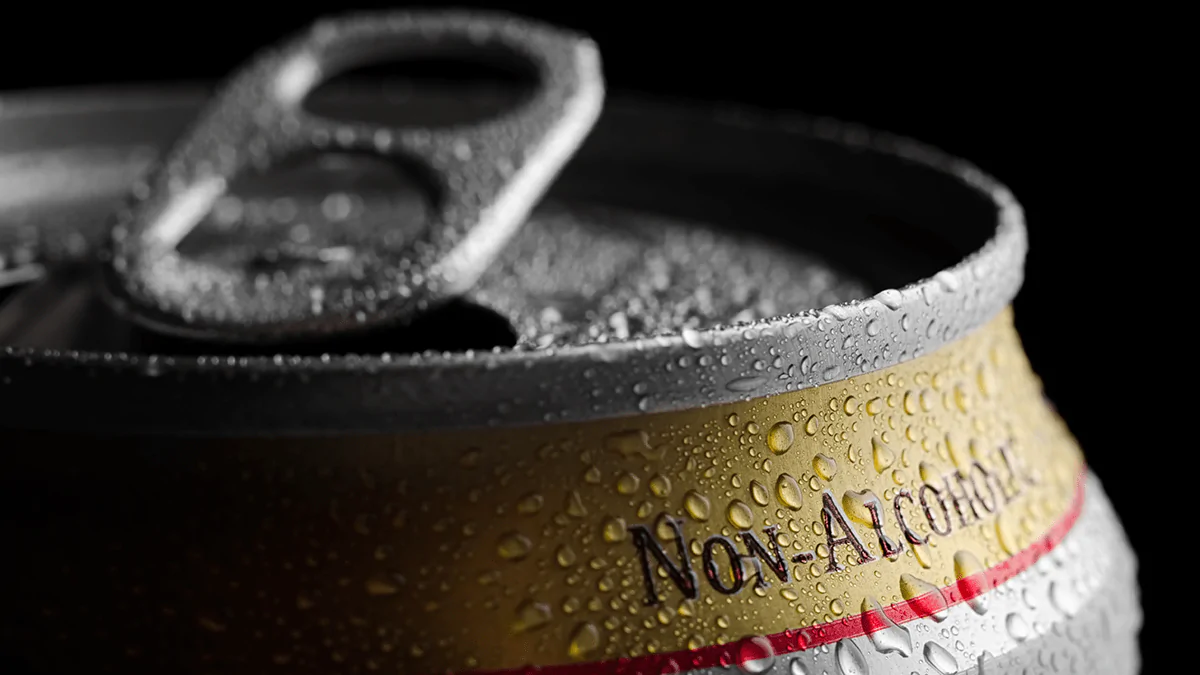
x: 1017, y: 627
x: 972, y: 581
x: 575, y: 506
x: 787, y: 490
x: 739, y: 514
x: 514, y: 546
x: 923, y: 597
x: 883, y: 455
x: 530, y: 504
x: 759, y: 493
x: 850, y: 406
x: 811, y: 426
x: 627, y: 484
x: 855, y: 504
x: 923, y: 556
x: 875, y: 406
x: 380, y: 586
x: 929, y: 472
x: 1005, y: 535
x: 585, y: 639
x: 565, y: 556
x: 746, y: 384
x: 850, y: 658
x: 660, y: 486
x: 781, y: 437
x: 824, y: 466
x: 531, y: 615
x: 891, y: 298
x: 941, y: 659
x: 885, y: 635
x: 1064, y: 598
x: 631, y: 443
x: 755, y: 655
x: 614, y: 530
x: 696, y: 504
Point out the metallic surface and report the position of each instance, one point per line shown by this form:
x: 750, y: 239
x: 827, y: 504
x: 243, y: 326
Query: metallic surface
x: 892, y: 201
x: 656, y: 434
x: 485, y: 180
x: 495, y: 549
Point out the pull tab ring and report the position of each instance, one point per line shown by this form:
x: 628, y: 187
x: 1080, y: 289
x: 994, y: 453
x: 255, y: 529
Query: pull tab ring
x: 488, y: 177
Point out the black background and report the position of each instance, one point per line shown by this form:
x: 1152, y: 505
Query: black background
x: 1052, y: 109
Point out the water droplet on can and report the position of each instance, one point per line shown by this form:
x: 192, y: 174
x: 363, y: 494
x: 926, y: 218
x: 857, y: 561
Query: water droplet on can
x: 923, y: 597
x: 850, y: 659
x: 739, y: 515
x: 584, y: 640
x: 850, y: 406
x: 531, y: 615
x: 941, y: 659
x: 755, y: 655
x: 530, y: 504
x: 696, y: 505
x: 565, y: 556
x: 745, y: 384
x: 660, y: 486
x: 824, y: 466
x: 1017, y: 627
x: 759, y: 493
x: 781, y: 437
x: 883, y: 456
x: 627, y: 484
x: 788, y: 492
x: 972, y: 580
x: 885, y: 635
x: 811, y: 426
x: 614, y: 530
x: 1064, y: 598
x: 514, y: 546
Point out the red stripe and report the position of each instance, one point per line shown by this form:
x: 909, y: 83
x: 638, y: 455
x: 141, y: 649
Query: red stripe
x: 801, y: 639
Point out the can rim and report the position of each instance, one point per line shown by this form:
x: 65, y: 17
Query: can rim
x: 376, y: 393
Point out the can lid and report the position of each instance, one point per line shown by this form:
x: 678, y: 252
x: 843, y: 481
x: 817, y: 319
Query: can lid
x: 642, y: 156
x: 485, y: 178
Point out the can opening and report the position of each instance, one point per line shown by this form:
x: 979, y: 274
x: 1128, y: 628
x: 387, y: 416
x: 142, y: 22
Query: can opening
x: 64, y: 312
x: 455, y: 326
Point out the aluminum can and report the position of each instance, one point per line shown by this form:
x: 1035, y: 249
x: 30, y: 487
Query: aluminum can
x: 655, y: 390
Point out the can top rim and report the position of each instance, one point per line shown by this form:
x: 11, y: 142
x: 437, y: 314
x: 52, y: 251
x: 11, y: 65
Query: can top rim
x: 383, y: 393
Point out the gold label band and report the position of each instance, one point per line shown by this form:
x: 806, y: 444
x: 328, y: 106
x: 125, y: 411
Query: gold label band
x: 583, y: 542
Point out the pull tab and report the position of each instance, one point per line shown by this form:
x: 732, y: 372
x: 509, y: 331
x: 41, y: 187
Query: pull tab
x: 487, y: 178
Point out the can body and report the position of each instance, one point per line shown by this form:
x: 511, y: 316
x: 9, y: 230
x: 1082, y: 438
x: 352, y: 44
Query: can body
x: 921, y: 510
